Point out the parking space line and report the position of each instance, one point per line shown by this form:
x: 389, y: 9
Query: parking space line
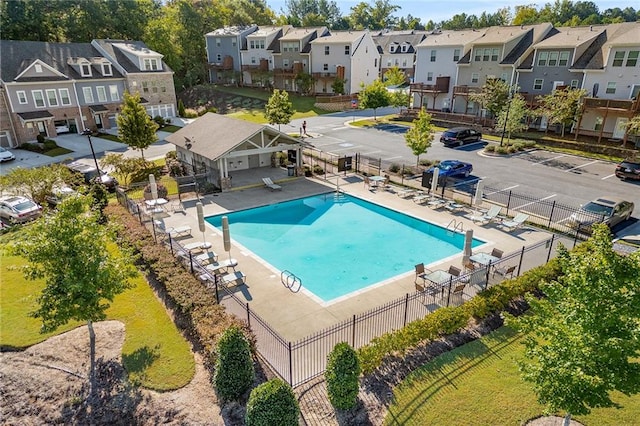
x: 501, y: 190
x: 607, y: 177
x: 533, y: 202
x: 392, y: 158
x: 581, y: 166
x: 349, y: 148
x: 549, y: 159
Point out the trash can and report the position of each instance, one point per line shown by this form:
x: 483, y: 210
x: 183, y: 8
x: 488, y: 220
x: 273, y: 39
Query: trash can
x: 291, y: 170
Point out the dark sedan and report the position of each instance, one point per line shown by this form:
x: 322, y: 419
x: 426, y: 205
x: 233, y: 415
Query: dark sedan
x: 628, y: 169
x: 450, y: 168
x: 459, y: 136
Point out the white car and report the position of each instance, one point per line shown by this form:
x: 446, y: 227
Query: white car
x: 18, y: 209
x: 6, y: 155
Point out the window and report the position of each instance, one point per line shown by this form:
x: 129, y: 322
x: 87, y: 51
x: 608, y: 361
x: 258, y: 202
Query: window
x: 347, y: 50
x: 325, y: 67
x: 494, y: 54
x: 456, y: 55
x: 433, y: 56
x: 145, y: 87
x: 64, y: 97
x: 218, y: 57
x: 88, y: 95
x: 553, y: 59
x: 404, y: 63
x: 234, y: 42
x: 477, y: 55
x: 392, y: 48
x: 611, y: 88
x: 404, y: 48
x: 253, y: 60
x: 396, y: 62
x: 252, y: 44
x: 163, y: 89
x: 22, y: 97
x: 429, y: 76
x: 598, y: 123
x: 85, y: 70
x: 285, y: 63
x: 218, y: 42
x: 52, y: 98
x: 106, y: 69
x: 388, y: 62
x: 326, y: 50
x: 260, y: 44
x: 475, y: 77
x: 150, y: 64
x: 537, y: 84
x: 154, y: 86
x: 38, y: 99
x: 486, y: 53
x: 618, y: 58
x: 38, y: 68
x: 632, y: 58
x: 542, y: 59
x: 574, y: 84
x: 564, y: 59
x: 102, y: 94
x: 113, y: 92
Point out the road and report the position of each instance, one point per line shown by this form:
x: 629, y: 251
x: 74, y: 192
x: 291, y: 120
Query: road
x: 544, y: 175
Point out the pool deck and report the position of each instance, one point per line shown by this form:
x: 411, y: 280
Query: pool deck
x: 297, y: 315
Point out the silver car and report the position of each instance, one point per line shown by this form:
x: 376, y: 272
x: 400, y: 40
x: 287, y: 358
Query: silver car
x: 609, y: 210
x: 18, y: 209
x: 6, y: 155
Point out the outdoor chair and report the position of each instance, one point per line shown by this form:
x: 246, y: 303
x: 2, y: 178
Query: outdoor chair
x: 516, y: 222
x: 405, y: 193
x: 269, y: 184
x: 234, y: 277
x: 420, y: 273
x: 421, y: 198
x: 177, y: 206
x: 487, y: 217
x: 505, y: 270
x: 459, y: 290
x: 455, y: 272
x: 437, y: 203
x: 497, y: 253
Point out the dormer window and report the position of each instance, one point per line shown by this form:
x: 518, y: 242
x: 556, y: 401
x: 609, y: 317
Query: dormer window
x: 106, y: 69
x: 392, y: 48
x: 150, y: 64
x: 85, y: 70
x: 404, y: 48
x: 38, y: 68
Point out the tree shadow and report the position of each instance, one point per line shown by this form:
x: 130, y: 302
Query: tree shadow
x: 140, y: 359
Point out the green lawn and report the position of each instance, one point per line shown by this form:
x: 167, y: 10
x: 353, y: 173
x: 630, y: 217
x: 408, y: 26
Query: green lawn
x: 154, y: 353
x: 479, y: 384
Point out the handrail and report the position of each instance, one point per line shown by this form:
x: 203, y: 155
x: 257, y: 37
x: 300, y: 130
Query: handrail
x: 456, y: 224
x: 289, y: 280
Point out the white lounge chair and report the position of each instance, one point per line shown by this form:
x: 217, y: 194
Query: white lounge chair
x: 421, y: 198
x: 487, y: 217
x: 437, y: 203
x: 177, y: 232
x: 225, y: 264
x: 269, y: 184
x: 233, y: 277
x: 516, y: 222
x: 406, y: 193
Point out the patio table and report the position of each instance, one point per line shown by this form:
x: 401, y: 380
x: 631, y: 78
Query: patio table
x: 483, y: 259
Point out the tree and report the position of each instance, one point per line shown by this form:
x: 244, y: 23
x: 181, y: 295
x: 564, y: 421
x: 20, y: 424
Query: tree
x: 342, y: 375
x: 38, y: 182
x: 313, y: 12
x: 394, y: 77
x: 69, y: 251
x: 337, y: 86
x: 129, y: 169
x: 582, y: 339
x: 135, y: 126
x: 234, y: 372
x: 399, y: 98
x: 561, y: 106
x: 279, y: 108
x: 511, y: 118
x: 420, y: 136
x: 373, y: 96
x: 376, y: 16
x: 272, y: 403
x: 304, y: 83
x: 493, y: 96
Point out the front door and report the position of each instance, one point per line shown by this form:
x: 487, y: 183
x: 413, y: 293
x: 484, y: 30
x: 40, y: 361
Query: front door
x: 621, y: 127
x: 543, y: 122
x: 98, y: 119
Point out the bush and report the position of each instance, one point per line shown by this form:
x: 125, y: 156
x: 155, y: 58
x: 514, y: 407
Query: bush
x: 175, y: 167
x: 511, y: 149
x: 343, y: 371
x: 501, y: 150
x: 234, y: 373
x: 318, y: 170
x: 272, y: 403
x: 159, y: 121
x: 490, y: 148
x: 33, y: 147
x: 50, y: 144
x: 40, y: 138
x: 394, y: 168
x: 181, y: 109
x: 163, y: 192
x: 190, y: 113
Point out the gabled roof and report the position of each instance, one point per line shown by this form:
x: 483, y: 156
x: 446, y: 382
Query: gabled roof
x: 340, y: 37
x: 18, y: 55
x: 214, y: 135
x: 114, y: 48
x: 621, y: 34
x: 504, y: 34
x: 570, y: 37
x: 385, y: 41
x: 296, y: 34
x: 232, y: 30
x: 451, y: 38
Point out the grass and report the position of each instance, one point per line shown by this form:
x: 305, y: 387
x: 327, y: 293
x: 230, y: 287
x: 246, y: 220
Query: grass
x: 154, y: 354
x: 171, y: 128
x: 479, y: 383
x: 57, y: 151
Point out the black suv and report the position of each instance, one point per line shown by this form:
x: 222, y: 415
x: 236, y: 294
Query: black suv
x: 459, y: 136
x: 90, y: 175
x: 628, y: 169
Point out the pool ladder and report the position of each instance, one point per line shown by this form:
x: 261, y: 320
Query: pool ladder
x: 456, y: 225
x: 290, y: 281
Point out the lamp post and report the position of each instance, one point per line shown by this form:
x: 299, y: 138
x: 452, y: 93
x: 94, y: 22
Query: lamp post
x: 87, y: 133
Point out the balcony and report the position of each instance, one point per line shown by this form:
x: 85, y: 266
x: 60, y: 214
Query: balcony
x: 629, y: 105
x: 324, y: 74
x: 465, y: 90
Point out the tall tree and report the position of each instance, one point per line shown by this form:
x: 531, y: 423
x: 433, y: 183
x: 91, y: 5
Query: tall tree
x: 394, y: 77
x: 582, y: 339
x: 373, y: 96
x: 512, y: 117
x: 420, y: 136
x: 493, y: 96
x: 279, y: 108
x: 399, y: 98
x: 135, y: 127
x: 561, y: 106
x: 337, y: 86
x: 69, y: 251
x: 375, y: 16
x: 314, y: 12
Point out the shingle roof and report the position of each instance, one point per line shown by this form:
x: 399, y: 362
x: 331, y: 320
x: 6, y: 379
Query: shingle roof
x: 18, y: 55
x: 622, y: 34
x: 231, y: 31
x: 340, y: 37
x: 569, y: 37
x: 451, y: 38
x: 112, y: 48
x: 384, y: 41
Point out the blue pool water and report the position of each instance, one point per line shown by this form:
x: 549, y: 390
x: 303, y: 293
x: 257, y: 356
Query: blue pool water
x: 339, y: 246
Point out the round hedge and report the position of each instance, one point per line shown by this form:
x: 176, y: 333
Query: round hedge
x: 234, y: 372
x: 272, y: 403
x: 342, y: 374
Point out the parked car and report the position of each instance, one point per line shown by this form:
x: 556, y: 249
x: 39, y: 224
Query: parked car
x: 18, y: 209
x: 6, y: 155
x: 627, y: 244
x: 451, y: 168
x: 628, y: 169
x: 90, y: 175
x: 59, y: 194
x: 609, y: 210
x: 459, y: 136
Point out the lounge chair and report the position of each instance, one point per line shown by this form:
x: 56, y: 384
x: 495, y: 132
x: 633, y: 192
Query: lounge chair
x: 269, y: 184
x: 437, y: 203
x: 405, y: 193
x: 505, y: 270
x: 452, y: 206
x: 217, y: 267
x: 421, y: 198
x: 516, y: 222
x: 207, y: 257
x: 487, y: 217
x: 177, y: 232
x: 233, y: 277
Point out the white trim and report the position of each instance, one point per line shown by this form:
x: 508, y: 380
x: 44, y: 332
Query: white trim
x: 102, y: 98
x: 55, y: 96
x: 62, y: 97
x: 111, y: 92
x: 35, y: 103
x: 38, y: 61
x: 89, y: 99
x: 24, y: 93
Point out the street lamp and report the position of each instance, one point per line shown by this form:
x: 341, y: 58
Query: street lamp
x: 87, y: 133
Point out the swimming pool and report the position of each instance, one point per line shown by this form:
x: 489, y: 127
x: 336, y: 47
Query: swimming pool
x: 341, y: 244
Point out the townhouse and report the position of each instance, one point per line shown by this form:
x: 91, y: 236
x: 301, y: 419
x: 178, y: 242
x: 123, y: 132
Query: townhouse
x: 351, y: 56
x: 398, y: 49
x: 256, y: 57
x: 223, y: 53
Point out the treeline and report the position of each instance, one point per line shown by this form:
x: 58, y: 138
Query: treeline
x: 176, y: 28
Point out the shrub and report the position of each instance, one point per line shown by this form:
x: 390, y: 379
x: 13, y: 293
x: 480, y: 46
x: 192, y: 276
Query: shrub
x: 501, y: 150
x: 425, y: 162
x: 343, y: 371
x: 318, y: 170
x: 163, y: 192
x: 394, y: 168
x: 50, y: 144
x: 490, y: 148
x: 234, y: 373
x: 33, y: 147
x: 171, y: 155
x: 159, y: 121
x: 175, y: 167
x: 272, y: 403
x: 181, y: 109
x: 511, y: 149
x: 40, y: 138
x: 190, y: 113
